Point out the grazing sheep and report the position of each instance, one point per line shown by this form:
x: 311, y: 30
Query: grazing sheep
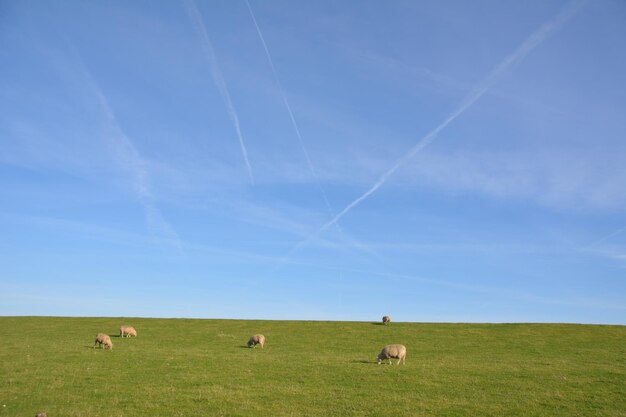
x: 257, y: 339
x: 128, y: 331
x: 392, y: 351
x: 103, y: 340
x: 386, y: 319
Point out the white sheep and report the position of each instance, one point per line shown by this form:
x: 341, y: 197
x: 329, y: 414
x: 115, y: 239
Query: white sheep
x: 103, y: 340
x: 128, y: 331
x: 392, y: 351
x: 386, y: 319
x: 257, y: 339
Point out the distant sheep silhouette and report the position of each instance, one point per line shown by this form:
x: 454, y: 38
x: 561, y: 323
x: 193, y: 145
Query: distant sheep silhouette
x: 386, y: 319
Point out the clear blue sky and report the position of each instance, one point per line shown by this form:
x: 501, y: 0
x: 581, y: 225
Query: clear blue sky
x: 434, y: 161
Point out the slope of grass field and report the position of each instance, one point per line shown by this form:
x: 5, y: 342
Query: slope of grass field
x: 180, y: 367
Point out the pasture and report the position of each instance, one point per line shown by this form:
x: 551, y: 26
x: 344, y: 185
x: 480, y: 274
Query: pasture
x: 184, y: 367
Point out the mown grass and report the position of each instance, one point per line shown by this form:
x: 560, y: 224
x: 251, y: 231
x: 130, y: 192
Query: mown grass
x: 180, y: 367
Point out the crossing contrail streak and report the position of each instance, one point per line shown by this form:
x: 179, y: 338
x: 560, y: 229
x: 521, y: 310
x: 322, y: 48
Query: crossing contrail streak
x: 532, y: 41
x: 218, y: 78
x: 604, y: 238
x: 292, y: 118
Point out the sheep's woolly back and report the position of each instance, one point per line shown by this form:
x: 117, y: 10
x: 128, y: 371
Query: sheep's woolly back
x: 386, y: 319
x: 103, y: 340
x: 393, y: 351
x: 257, y: 339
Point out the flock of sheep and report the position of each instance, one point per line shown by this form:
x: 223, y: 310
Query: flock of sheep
x: 104, y: 341
x: 389, y: 352
x: 394, y: 351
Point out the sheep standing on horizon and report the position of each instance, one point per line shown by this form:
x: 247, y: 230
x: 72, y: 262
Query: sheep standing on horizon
x: 386, y: 319
x: 128, y: 331
x: 392, y: 351
x: 103, y: 340
x: 257, y: 339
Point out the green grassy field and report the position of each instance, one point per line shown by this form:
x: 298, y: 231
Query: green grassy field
x: 180, y: 367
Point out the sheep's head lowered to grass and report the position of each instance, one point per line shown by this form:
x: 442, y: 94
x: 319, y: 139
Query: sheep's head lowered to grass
x: 128, y: 331
x: 392, y: 351
x: 104, y: 341
x: 257, y: 339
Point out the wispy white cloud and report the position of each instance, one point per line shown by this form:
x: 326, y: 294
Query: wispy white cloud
x: 291, y: 220
x: 218, y: 78
x: 465, y: 286
x: 609, y: 246
x: 399, y: 71
x: 125, y: 238
x: 560, y: 178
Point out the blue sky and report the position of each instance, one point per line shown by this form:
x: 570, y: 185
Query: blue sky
x: 434, y: 161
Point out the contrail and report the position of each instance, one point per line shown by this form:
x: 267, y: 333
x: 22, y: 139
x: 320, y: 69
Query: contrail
x: 293, y: 119
x: 128, y: 157
x: 514, y: 58
x: 218, y: 78
x: 604, y: 238
x: 329, y: 208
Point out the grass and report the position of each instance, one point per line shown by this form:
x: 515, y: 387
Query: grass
x: 181, y: 367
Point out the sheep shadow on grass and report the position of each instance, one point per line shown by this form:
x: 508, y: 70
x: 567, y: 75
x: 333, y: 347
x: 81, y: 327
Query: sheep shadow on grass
x: 364, y: 361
